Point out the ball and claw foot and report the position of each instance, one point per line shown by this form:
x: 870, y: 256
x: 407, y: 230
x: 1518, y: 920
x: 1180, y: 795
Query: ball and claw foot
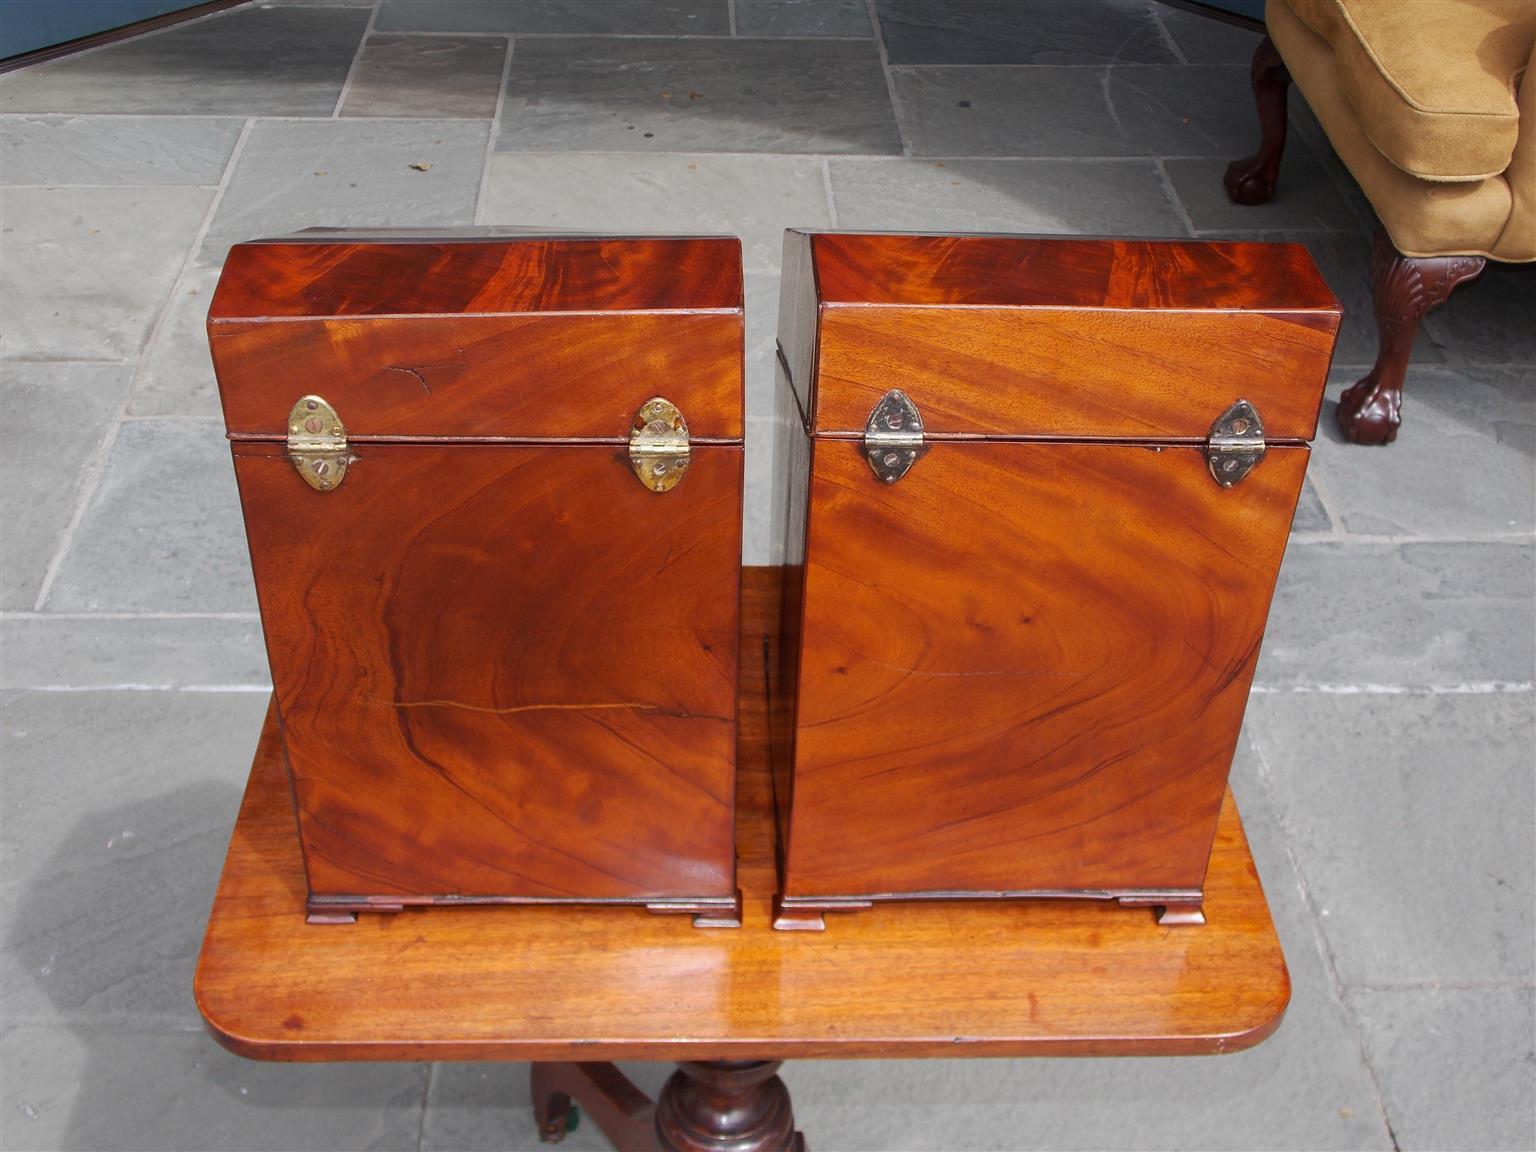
x: 1369, y: 412
x: 1403, y: 289
x: 1251, y: 180
x: 1248, y: 182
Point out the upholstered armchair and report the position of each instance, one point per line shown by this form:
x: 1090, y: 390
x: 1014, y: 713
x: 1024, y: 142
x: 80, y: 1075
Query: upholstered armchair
x: 1431, y: 105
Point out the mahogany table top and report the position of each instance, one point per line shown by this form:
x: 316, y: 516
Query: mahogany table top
x: 1027, y: 978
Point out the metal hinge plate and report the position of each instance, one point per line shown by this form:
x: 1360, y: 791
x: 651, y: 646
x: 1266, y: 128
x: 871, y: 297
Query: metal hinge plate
x: 658, y: 444
x: 893, y: 436
x: 317, y: 443
x: 1236, y: 445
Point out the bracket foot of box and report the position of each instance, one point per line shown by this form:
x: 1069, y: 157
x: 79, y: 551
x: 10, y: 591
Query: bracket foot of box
x: 790, y: 915
x: 321, y: 911
x: 1171, y: 911
x: 331, y: 917
x: 1175, y: 914
x: 705, y: 913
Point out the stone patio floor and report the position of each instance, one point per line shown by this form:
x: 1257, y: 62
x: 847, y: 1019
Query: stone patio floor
x: 1386, y: 768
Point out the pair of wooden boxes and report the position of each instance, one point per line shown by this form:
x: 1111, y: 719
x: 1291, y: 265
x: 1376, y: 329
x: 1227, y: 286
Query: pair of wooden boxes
x: 1032, y: 493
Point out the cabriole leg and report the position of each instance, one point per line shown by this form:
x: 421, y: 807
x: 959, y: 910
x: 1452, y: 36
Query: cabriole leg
x: 1403, y: 289
x: 1252, y: 180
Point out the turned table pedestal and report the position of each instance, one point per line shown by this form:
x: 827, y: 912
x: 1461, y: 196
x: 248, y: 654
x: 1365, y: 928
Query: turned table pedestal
x: 570, y: 988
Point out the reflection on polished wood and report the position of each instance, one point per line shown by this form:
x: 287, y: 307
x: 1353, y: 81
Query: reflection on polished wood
x: 1024, y: 660
x: 1032, y: 978
x: 504, y: 667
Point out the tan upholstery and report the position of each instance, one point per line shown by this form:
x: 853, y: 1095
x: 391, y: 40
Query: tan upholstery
x: 1491, y: 215
x: 1519, y: 239
x: 1433, y: 81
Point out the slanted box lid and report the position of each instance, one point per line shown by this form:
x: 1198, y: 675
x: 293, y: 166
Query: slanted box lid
x: 480, y: 333
x: 1047, y: 337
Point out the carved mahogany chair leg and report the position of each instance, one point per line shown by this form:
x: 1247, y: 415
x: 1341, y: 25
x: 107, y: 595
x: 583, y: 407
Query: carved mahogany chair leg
x: 1252, y: 180
x: 621, y: 1111
x: 1403, y: 289
x: 727, y: 1106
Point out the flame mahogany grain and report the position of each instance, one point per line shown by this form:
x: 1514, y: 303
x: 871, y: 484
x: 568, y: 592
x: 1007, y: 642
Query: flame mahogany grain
x: 1023, y: 666
x: 1017, y: 714
x: 554, y: 376
x: 1102, y: 339
x: 864, y: 268
x: 505, y: 670
x: 478, y: 271
x: 452, y: 335
x: 1032, y: 978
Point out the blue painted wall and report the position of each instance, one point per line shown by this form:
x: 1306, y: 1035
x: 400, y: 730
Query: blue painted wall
x: 27, y: 25
x: 1253, y: 9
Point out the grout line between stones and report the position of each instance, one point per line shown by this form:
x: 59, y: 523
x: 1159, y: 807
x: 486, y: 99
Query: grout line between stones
x: 1472, y: 688
x: 357, y: 59
x: 494, y: 132
x: 274, y: 118
x: 57, y: 360
x: 91, y: 476
x: 862, y: 157
x: 1320, y: 937
x: 189, y: 262
x: 1320, y: 490
x: 67, y: 187
x: 114, y: 1025
x: 716, y: 36
x: 1173, y: 45
x: 1342, y: 536
x: 33, y: 614
x: 1446, y: 986
x: 890, y: 81
x: 826, y: 188
x: 194, y: 689
x: 1133, y: 65
x: 128, y: 115
x: 95, y: 470
x: 730, y: 12
x: 1173, y: 196
x: 426, y: 1097
x: 171, y: 418
x: 875, y: 157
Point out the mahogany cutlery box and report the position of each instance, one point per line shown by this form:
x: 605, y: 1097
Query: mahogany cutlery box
x: 492, y: 487
x: 1034, y: 495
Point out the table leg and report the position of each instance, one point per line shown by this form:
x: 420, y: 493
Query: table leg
x: 621, y: 1111
x: 720, y: 1105
x: 706, y: 1106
